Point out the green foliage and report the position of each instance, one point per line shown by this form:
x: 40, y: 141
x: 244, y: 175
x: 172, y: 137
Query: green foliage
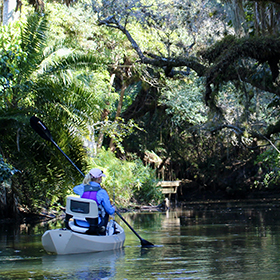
x: 146, y: 189
x: 10, y: 53
x: 118, y: 130
x: 60, y: 66
x: 127, y: 179
x: 67, y: 89
x: 184, y: 100
x: 268, y: 164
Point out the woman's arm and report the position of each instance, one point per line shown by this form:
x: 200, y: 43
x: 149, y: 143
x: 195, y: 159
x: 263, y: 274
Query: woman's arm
x: 103, y: 199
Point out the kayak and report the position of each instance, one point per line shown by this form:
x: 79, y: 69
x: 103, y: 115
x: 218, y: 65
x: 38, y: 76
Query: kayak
x: 75, y: 239
x: 82, y: 210
x: 65, y: 241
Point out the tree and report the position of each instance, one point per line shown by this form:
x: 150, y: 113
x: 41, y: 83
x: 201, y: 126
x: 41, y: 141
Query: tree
x: 250, y: 59
x: 232, y: 47
x: 58, y: 85
x: 10, y: 11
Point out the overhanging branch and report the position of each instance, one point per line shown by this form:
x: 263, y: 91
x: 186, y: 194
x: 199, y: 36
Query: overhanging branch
x: 223, y: 59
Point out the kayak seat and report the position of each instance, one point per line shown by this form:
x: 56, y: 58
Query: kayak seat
x: 83, y: 210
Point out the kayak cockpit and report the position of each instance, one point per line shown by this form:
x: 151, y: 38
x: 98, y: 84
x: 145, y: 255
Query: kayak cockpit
x: 85, y: 211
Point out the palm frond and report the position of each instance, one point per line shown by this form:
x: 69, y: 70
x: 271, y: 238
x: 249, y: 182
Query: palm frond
x: 73, y: 60
x: 33, y: 42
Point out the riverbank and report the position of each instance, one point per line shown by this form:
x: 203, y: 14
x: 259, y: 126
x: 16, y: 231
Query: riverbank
x: 191, y: 198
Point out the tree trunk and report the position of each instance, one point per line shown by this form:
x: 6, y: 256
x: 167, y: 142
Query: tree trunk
x: 118, y: 113
x: 104, y: 116
x: 8, y: 201
x: 10, y: 11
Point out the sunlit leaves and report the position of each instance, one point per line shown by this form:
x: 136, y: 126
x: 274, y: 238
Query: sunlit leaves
x: 185, y: 101
x: 64, y: 87
x: 172, y: 26
x: 126, y: 179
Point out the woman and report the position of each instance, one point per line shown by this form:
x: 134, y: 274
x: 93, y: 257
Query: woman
x: 91, y: 189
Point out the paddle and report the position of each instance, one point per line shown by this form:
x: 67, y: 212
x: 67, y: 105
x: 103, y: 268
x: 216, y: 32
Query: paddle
x: 43, y: 131
x: 144, y: 243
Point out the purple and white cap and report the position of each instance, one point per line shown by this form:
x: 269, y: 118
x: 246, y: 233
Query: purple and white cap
x: 96, y: 173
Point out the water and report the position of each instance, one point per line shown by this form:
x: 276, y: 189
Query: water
x: 200, y: 241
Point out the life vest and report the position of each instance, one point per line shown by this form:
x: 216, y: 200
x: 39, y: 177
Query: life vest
x: 90, y: 192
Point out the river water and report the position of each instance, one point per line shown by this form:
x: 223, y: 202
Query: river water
x: 226, y: 240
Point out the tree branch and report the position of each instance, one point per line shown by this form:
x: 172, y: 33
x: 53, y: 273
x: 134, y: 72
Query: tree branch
x: 223, y: 57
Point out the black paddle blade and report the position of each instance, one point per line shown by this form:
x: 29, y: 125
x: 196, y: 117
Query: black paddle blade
x: 146, y: 244
x: 40, y: 128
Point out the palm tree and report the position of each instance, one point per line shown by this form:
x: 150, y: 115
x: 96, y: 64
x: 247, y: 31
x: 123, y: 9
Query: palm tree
x: 58, y: 85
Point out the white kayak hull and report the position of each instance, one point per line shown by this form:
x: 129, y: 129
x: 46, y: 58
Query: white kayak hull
x: 64, y: 241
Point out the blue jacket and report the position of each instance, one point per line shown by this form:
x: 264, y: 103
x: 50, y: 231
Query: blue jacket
x: 102, y: 197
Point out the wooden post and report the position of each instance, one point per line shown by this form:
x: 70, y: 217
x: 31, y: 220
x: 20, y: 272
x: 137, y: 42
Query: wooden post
x: 170, y: 187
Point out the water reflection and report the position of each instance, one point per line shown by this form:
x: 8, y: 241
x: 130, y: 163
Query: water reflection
x: 230, y: 240
x: 100, y: 265
x: 234, y: 218
x: 217, y: 241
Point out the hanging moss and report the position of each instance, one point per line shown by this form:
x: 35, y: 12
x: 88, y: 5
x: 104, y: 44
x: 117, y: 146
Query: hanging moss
x: 214, y: 52
x: 224, y: 59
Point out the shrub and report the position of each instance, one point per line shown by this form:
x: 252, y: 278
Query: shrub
x: 127, y: 181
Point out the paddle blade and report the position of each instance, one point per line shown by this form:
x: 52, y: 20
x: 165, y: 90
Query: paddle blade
x: 40, y: 128
x: 146, y: 244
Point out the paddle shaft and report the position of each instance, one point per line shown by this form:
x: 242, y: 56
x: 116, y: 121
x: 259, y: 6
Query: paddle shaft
x: 67, y: 157
x: 43, y: 131
x: 128, y: 225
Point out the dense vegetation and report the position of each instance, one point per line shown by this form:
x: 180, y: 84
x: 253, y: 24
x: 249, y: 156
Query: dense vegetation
x: 145, y: 91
